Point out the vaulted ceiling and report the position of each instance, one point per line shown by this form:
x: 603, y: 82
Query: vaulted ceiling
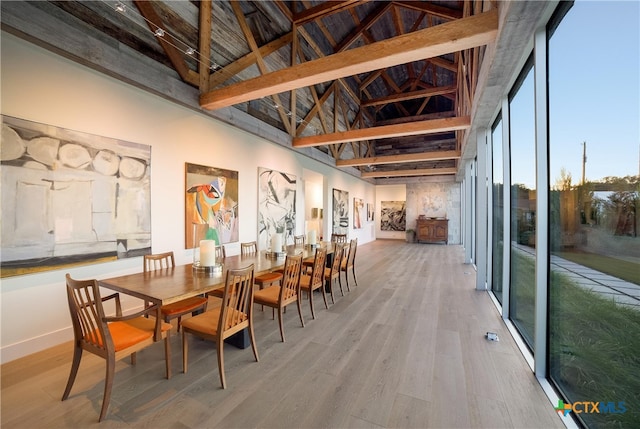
x: 383, y: 87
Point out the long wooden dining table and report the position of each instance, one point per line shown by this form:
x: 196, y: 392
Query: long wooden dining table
x: 168, y: 285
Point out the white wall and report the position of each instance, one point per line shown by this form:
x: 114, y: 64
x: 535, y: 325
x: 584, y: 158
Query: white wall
x: 40, y: 86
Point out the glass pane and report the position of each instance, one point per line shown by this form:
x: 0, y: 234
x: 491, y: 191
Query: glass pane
x: 594, y: 288
x: 498, y: 212
x: 523, y: 208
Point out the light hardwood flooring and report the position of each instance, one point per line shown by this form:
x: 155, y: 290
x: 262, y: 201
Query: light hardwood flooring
x: 403, y: 349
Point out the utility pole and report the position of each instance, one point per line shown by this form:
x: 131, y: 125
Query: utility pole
x: 584, y: 160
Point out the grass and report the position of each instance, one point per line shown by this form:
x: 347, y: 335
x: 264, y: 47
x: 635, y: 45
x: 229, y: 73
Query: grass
x: 594, y: 343
x: 595, y: 351
x: 621, y: 269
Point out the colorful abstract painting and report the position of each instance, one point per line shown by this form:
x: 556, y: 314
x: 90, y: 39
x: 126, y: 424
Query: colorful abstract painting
x: 358, y: 212
x: 211, y: 204
x: 340, y: 212
x: 276, y: 206
x: 393, y: 216
x: 71, y: 198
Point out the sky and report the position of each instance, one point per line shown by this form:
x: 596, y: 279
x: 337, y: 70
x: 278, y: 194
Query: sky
x: 594, y: 90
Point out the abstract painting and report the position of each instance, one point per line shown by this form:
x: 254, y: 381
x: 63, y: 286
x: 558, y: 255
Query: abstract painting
x: 71, y: 198
x: 370, y: 211
x: 276, y: 206
x: 211, y: 204
x: 358, y: 212
x: 393, y: 216
x: 340, y: 211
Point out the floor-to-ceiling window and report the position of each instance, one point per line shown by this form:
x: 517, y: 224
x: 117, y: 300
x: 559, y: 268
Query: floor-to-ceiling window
x: 594, y: 135
x: 497, y: 239
x: 523, y: 205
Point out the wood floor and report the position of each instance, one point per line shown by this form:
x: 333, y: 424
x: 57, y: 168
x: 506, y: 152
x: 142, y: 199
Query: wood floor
x: 403, y: 349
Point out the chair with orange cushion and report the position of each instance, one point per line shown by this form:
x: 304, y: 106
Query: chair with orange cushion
x: 286, y: 293
x: 111, y: 338
x: 333, y: 272
x: 220, y: 253
x: 348, y: 262
x: 234, y: 314
x: 175, y: 310
x: 299, y: 240
x: 315, y: 280
x: 262, y: 280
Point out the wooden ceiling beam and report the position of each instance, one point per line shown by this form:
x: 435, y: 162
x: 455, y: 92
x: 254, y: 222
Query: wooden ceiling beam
x: 431, y: 42
x: 248, y: 60
x: 323, y: 9
x: 205, y: 44
x: 371, y: 19
x: 394, y: 159
x: 416, y: 172
x: 431, y: 9
x: 386, y: 131
x: 409, y: 95
x: 154, y: 21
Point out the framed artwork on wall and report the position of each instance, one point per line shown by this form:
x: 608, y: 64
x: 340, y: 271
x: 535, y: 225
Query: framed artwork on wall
x: 276, y: 206
x: 370, y: 211
x: 358, y: 212
x: 340, y: 211
x: 393, y: 216
x: 71, y: 198
x: 211, y: 205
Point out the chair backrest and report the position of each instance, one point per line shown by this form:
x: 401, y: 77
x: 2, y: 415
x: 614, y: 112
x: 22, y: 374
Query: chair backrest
x: 290, y: 286
x: 299, y: 240
x: 339, y: 238
x: 237, y: 301
x: 317, y: 274
x: 338, y: 254
x: 87, y: 316
x: 158, y: 261
x: 351, y: 257
x: 248, y: 248
x: 220, y: 252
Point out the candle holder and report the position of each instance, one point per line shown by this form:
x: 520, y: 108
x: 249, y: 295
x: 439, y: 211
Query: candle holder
x: 210, y: 271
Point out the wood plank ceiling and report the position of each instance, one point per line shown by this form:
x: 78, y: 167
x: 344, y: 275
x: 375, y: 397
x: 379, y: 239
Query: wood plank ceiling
x: 383, y: 86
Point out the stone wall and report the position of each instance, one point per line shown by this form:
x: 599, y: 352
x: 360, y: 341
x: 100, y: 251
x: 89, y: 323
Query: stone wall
x: 436, y: 200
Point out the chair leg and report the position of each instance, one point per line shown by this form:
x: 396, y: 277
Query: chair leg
x: 333, y: 300
x: 167, y: 356
x: 281, y: 323
x: 108, y: 384
x: 134, y: 358
x: 252, y: 337
x: 179, y: 322
x: 313, y: 312
x: 340, y: 283
x: 184, y: 351
x: 77, y: 355
x: 300, y: 310
x: 220, y: 347
x: 324, y: 296
x: 353, y: 270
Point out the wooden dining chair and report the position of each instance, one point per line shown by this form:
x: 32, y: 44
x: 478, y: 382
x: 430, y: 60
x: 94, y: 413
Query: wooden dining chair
x: 338, y: 238
x: 220, y: 252
x: 315, y: 280
x: 265, y: 279
x: 299, y: 240
x: 234, y: 314
x: 348, y: 262
x: 175, y: 310
x: 112, y: 338
x: 248, y: 248
x: 288, y: 292
x: 333, y: 272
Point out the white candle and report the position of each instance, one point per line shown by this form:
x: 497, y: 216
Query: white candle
x: 276, y: 243
x: 207, y: 253
x: 311, y: 237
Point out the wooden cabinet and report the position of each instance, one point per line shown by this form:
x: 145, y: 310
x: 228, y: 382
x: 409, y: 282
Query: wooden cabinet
x: 432, y: 230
